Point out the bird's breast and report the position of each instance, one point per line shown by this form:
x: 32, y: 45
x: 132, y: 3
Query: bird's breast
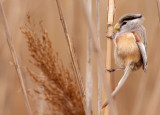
x: 127, y: 51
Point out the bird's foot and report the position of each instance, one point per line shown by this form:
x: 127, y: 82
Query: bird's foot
x: 112, y: 70
x: 110, y: 36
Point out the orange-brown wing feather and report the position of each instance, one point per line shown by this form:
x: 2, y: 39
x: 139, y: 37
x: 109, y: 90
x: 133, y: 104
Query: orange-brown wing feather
x: 142, y: 49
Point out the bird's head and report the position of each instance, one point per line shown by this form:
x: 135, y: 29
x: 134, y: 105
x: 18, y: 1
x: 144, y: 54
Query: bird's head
x: 128, y: 22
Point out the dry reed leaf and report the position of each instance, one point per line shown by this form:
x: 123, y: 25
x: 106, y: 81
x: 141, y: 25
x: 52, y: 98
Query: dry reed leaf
x: 59, y: 89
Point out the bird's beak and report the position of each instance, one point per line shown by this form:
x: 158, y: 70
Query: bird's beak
x: 117, y: 26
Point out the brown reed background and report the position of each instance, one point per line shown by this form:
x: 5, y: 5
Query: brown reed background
x: 144, y: 85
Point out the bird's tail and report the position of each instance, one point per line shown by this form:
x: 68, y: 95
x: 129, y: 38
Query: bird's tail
x: 119, y: 86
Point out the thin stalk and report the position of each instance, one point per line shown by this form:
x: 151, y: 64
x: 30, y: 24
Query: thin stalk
x: 98, y: 69
x: 89, y: 67
x: 71, y: 51
x: 140, y: 95
x: 100, y: 58
x: 15, y: 59
x: 158, y: 6
x: 153, y: 103
x: 141, y: 91
x: 89, y: 78
x: 110, y: 21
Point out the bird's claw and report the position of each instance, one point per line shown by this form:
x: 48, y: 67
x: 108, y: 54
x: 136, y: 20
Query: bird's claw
x: 110, y: 70
x: 110, y: 36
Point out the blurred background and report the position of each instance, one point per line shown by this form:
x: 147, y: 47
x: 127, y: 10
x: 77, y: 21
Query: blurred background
x: 140, y: 94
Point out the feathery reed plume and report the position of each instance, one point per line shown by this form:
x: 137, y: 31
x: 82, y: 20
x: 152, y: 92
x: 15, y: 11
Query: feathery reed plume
x: 98, y: 68
x: 98, y: 51
x: 89, y: 67
x: 73, y: 56
x: 15, y: 59
x: 60, y: 90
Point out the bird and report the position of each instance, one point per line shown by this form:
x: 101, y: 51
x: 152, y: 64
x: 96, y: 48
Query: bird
x: 130, y: 47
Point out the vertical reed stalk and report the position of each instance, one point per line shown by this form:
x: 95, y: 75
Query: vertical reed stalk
x: 98, y: 51
x: 98, y: 68
x: 89, y: 77
x: 140, y: 95
x: 141, y: 91
x: 110, y: 21
x: 89, y: 67
x: 15, y: 59
x: 158, y: 6
x: 153, y: 103
x: 71, y: 51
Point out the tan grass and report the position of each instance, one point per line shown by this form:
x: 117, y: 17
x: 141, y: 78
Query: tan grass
x: 98, y: 51
x: 71, y: 49
x: 110, y: 22
x: 59, y: 89
x: 158, y: 7
x: 15, y: 58
x: 89, y: 78
x: 98, y: 68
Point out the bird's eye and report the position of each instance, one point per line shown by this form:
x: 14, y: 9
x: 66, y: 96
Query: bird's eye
x: 124, y: 23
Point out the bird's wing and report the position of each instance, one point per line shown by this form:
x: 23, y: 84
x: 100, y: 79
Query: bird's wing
x: 144, y: 37
x: 142, y: 49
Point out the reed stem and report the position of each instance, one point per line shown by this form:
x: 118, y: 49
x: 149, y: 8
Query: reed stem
x: 15, y: 59
x: 71, y: 51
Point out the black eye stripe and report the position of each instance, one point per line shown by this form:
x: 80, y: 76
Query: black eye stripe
x: 124, y: 23
x: 131, y: 18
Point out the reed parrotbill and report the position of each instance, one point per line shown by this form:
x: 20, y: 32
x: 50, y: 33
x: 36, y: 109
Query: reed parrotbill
x: 130, y: 47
